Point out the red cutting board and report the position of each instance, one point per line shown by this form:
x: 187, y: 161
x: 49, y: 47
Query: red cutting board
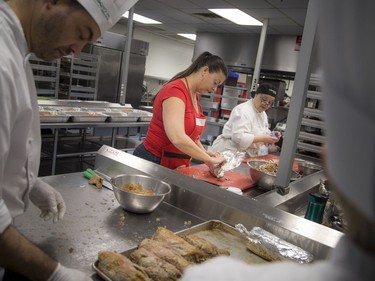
x: 230, y: 178
x: 272, y: 157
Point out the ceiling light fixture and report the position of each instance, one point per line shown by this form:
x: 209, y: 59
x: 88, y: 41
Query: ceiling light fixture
x: 141, y: 19
x: 188, y: 35
x: 237, y: 16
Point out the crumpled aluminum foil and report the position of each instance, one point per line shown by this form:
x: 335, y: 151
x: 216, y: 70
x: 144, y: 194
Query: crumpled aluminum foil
x: 234, y: 159
x: 271, y: 247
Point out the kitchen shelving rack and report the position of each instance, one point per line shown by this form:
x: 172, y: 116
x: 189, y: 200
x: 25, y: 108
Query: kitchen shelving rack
x: 311, y: 136
x: 46, y: 76
x: 79, y: 76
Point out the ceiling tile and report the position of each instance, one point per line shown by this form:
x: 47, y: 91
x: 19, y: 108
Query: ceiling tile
x: 297, y: 15
x: 179, y: 4
x: 180, y: 16
x: 289, y: 4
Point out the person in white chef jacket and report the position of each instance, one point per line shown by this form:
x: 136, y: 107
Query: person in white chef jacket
x: 346, y: 36
x: 247, y: 128
x: 50, y: 29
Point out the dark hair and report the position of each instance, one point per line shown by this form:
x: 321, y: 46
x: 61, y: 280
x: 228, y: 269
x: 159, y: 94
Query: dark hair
x: 214, y: 63
x: 267, y: 89
x: 74, y: 4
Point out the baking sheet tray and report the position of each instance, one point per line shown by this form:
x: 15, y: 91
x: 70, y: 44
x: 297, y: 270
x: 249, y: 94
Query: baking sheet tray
x: 217, y: 232
x: 144, y: 116
x: 53, y: 117
x: 230, y: 178
x: 121, y: 117
x: 83, y: 116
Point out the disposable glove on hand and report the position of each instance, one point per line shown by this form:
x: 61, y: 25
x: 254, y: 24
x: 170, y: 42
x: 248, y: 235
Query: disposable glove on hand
x: 48, y: 200
x: 63, y: 273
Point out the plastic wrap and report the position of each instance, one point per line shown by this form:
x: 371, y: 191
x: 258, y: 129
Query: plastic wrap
x: 273, y: 248
x: 233, y: 160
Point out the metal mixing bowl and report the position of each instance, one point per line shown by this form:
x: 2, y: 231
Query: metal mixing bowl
x: 264, y: 180
x: 306, y: 167
x: 139, y: 203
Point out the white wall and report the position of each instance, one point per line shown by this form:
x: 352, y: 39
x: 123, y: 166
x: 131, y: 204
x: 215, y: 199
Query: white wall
x: 166, y: 57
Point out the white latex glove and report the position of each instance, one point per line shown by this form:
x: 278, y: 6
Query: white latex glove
x: 63, y: 273
x: 48, y: 200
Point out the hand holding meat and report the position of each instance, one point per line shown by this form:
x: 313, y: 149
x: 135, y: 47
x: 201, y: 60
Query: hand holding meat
x: 232, y: 160
x: 216, y: 160
x: 48, y: 200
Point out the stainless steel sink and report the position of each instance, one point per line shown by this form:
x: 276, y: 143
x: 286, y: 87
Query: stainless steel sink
x: 298, y: 204
x: 297, y: 196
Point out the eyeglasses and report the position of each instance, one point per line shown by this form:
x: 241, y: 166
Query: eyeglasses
x: 216, y: 83
x: 265, y: 102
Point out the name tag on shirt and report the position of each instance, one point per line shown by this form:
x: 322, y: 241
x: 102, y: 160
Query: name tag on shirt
x: 200, y: 121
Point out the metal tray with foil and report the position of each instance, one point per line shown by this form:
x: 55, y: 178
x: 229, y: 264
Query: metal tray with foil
x: 217, y: 232
x: 83, y: 116
x: 144, y: 116
x: 121, y: 117
x: 53, y: 117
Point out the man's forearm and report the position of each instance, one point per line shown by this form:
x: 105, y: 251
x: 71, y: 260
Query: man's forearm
x: 23, y: 257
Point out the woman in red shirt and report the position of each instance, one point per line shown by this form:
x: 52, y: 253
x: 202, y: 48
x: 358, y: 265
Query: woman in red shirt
x: 178, y: 122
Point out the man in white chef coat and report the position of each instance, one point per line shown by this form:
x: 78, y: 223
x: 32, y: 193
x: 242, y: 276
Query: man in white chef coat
x: 346, y: 39
x: 50, y: 29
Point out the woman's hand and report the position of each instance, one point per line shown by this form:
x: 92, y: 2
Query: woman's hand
x: 278, y: 135
x: 215, y: 160
x: 215, y: 164
x: 214, y: 153
x: 273, y: 148
x: 268, y: 139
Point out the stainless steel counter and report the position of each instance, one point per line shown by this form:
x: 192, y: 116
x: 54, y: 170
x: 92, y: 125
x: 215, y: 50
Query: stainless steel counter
x: 94, y: 221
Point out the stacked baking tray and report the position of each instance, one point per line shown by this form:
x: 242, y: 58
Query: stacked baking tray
x: 142, y: 116
x: 87, y: 116
x: 63, y: 114
x: 121, y: 117
x: 49, y: 116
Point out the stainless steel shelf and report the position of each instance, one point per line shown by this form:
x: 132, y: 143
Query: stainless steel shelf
x: 313, y: 123
x: 311, y: 137
x: 310, y: 112
x: 46, y: 92
x: 82, y: 76
x: 309, y: 147
x: 44, y: 67
x: 44, y: 78
x: 82, y: 89
x: 314, y: 95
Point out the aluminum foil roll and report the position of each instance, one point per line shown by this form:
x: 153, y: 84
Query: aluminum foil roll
x: 273, y: 248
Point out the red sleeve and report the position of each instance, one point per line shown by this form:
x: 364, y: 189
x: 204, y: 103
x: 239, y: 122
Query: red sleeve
x: 174, y: 89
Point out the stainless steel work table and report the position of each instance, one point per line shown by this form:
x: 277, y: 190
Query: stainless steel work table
x: 94, y: 221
